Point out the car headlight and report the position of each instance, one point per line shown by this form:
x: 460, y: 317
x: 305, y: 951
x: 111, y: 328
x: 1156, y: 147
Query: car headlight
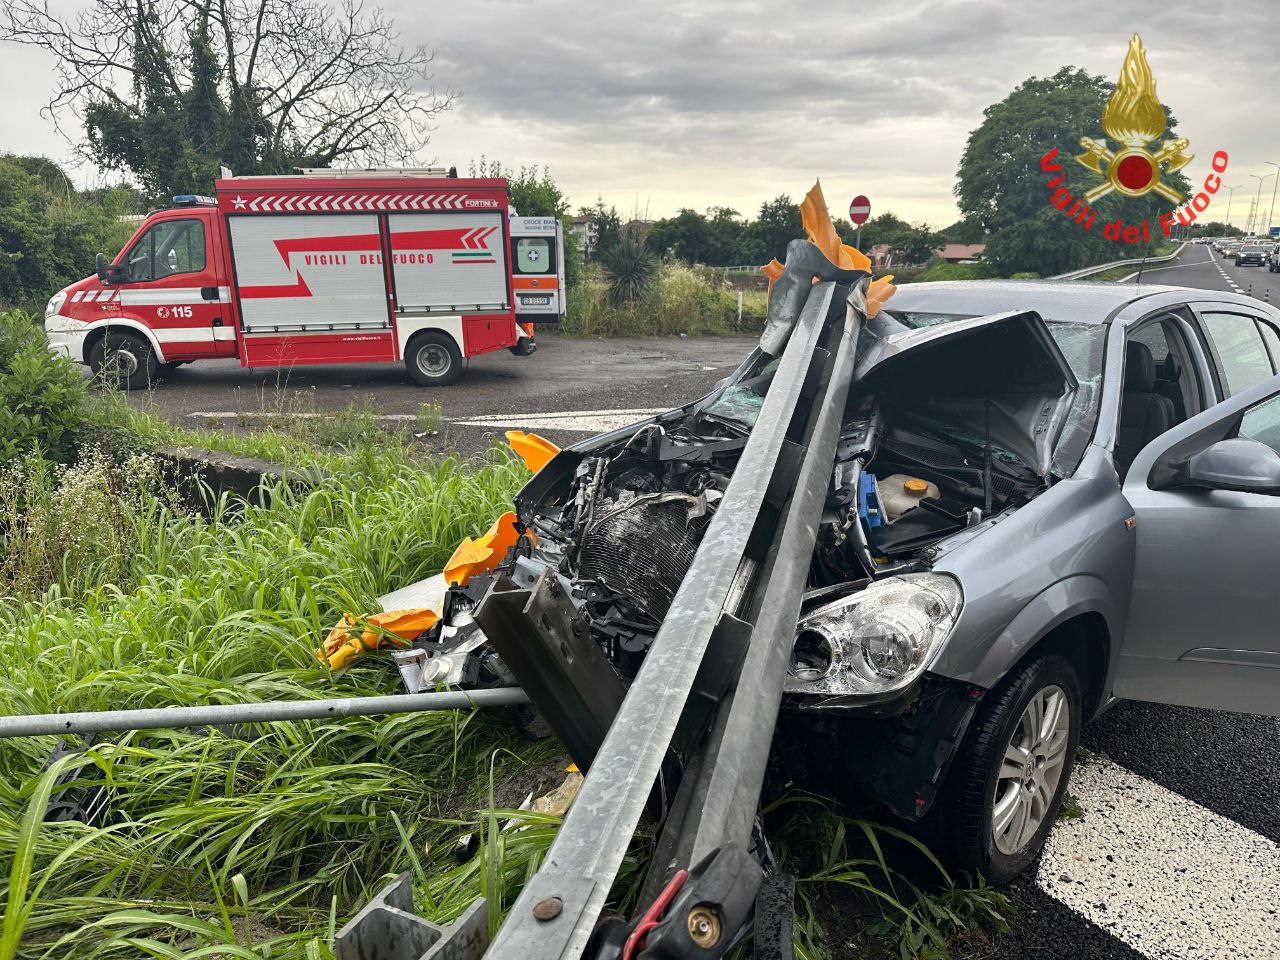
x: 876, y: 641
x: 55, y: 303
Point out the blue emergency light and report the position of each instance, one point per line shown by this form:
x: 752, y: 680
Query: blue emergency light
x: 193, y: 200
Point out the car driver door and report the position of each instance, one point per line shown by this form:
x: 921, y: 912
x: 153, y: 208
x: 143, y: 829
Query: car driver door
x: 1204, y: 622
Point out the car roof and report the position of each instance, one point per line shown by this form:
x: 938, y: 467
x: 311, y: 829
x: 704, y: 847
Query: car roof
x: 1070, y: 301
x: 1067, y: 300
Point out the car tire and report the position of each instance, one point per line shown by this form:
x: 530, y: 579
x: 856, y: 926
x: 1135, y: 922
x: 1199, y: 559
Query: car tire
x: 982, y: 787
x: 433, y: 360
x: 124, y: 360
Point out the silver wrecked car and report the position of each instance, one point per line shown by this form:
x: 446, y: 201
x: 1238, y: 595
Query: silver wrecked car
x: 1044, y: 496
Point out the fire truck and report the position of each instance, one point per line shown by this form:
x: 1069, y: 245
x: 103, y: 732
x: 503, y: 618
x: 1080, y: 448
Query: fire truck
x: 412, y: 266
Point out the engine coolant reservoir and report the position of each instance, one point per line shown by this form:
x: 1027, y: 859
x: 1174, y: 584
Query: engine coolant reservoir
x: 899, y: 493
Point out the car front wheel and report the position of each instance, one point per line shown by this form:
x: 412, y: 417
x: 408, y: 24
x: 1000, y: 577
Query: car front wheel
x: 1007, y: 783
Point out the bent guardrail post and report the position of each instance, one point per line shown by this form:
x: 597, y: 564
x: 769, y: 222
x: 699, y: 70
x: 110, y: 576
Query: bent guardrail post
x: 557, y: 910
x: 270, y: 711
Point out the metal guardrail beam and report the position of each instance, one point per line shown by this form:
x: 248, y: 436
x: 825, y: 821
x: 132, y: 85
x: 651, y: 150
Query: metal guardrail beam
x: 589, y: 848
x: 271, y: 711
x: 1103, y: 267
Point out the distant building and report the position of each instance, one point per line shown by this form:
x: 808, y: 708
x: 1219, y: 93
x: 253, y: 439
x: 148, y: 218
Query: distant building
x: 880, y: 256
x: 638, y: 228
x: 584, y: 234
x: 962, y: 252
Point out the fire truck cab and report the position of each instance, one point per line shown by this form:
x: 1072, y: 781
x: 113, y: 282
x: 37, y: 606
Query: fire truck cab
x: 320, y: 267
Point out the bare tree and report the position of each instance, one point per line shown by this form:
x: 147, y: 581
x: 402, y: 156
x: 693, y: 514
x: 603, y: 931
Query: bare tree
x: 170, y: 88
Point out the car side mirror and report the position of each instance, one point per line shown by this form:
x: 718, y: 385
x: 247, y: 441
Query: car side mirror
x: 1248, y: 466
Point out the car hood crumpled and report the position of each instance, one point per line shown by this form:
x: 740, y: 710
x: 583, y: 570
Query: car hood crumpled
x: 1003, y: 373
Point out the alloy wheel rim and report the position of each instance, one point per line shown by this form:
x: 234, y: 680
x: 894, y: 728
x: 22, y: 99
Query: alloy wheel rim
x: 433, y: 360
x: 1030, y: 770
x: 124, y: 361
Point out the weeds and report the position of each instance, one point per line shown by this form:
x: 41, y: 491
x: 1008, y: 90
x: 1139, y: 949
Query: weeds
x: 681, y: 300
x: 259, y: 841
x: 287, y: 824
x: 876, y: 881
x: 1070, y: 808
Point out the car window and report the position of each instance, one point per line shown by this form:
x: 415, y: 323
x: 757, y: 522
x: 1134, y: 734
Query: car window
x: 1081, y: 344
x: 534, y: 255
x: 1242, y: 356
x: 1262, y: 423
x: 168, y: 248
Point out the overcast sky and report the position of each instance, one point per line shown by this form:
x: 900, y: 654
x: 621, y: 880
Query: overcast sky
x: 659, y: 105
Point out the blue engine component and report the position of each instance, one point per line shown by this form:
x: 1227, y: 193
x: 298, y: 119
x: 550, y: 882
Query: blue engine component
x: 869, y: 502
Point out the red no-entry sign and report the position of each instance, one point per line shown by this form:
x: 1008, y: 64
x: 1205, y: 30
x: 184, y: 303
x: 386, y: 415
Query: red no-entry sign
x: 859, y: 210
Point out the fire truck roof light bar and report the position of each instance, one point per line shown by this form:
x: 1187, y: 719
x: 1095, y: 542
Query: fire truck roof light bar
x: 193, y: 200
x: 274, y: 711
x: 379, y: 172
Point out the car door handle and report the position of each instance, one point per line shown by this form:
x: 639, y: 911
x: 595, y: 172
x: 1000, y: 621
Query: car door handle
x: 217, y: 321
x: 209, y: 293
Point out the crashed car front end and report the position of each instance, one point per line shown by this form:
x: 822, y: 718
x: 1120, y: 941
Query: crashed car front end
x: 946, y: 430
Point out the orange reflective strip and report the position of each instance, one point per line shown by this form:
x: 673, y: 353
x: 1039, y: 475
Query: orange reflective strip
x: 549, y: 283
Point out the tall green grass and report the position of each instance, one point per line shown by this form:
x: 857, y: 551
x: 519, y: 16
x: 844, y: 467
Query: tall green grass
x: 262, y: 839
x: 679, y: 300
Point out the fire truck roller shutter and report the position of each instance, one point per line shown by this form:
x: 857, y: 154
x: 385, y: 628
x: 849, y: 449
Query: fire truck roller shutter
x: 302, y: 275
x: 450, y: 263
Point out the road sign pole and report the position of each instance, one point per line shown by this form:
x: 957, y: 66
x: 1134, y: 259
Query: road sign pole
x: 859, y: 210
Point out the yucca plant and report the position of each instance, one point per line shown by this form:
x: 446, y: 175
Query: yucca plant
x: 630, y: 268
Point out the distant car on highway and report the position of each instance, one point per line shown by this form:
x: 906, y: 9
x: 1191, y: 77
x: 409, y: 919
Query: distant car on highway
x: 1251, y: 255
x: 1273, y: 259
x: 1228, y: 250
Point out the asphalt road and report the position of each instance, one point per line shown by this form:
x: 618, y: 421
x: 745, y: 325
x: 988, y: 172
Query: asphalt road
x: 1200, y: 266
x: 567, y: 390
x: 1176, y: 856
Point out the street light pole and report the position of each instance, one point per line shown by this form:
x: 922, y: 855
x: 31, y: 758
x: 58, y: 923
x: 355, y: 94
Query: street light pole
x: 1231, y: 195
x: 1256, y: 200
x: 1271, y: 217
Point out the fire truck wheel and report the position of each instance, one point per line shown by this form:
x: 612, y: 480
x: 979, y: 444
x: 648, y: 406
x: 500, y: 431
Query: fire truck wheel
x: 124, y: 360
x: 433, y: 360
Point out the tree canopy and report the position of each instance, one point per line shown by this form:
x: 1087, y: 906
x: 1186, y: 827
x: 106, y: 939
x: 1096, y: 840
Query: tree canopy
x: 169, y: 90
x: 50, y: 232
x: 1001, y: 188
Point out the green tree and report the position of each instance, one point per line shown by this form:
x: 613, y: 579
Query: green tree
x: 963, y: 231
x: 531, y: 189
x: 605, y: 228
x: 1001, y: 188
x: 1214, y: 228
x: 767, y: 236
x: 169, y: 90
x: 49, y: 232
x: 686, y: 236
x: 713, y: 238
x: 881, y: 228
x: 913, y: 244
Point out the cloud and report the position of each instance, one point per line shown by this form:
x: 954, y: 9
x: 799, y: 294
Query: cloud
x: 657, y: 105
x: 664, y: 105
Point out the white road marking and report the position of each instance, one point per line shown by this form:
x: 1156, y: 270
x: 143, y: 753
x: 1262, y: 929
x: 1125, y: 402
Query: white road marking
x: 260, y: 415
x: 1171, y: 879
x: 577, y: 421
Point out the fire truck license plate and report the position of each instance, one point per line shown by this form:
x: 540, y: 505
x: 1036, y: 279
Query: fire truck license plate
x: 535, y: 301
